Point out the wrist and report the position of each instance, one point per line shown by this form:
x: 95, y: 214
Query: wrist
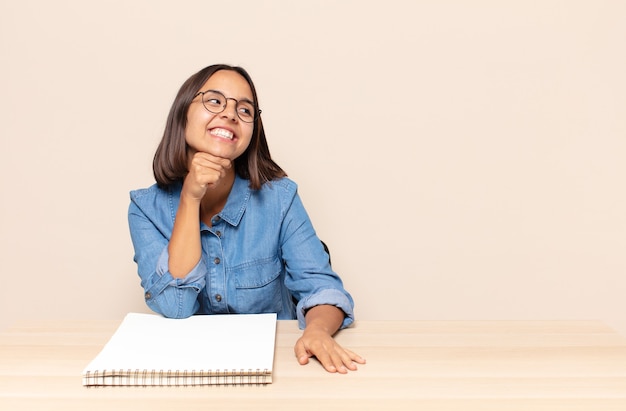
x: 189, y: 201
x: 326, y: 318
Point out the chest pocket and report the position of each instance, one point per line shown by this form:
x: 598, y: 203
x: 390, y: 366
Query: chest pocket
x: 259, y: 286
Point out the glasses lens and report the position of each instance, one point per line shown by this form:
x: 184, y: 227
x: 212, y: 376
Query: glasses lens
x: 214, y: 102
x: 246, y: 111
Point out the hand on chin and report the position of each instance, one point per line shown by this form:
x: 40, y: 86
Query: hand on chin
x: 216, y: 151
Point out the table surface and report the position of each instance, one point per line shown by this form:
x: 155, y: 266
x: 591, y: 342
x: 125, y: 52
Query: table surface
x: 425, y: 365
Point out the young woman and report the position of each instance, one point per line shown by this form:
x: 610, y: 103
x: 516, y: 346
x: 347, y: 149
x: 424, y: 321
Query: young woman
x: 224, y: 231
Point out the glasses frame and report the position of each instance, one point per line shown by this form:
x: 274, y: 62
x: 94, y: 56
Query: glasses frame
x: 257, y: 110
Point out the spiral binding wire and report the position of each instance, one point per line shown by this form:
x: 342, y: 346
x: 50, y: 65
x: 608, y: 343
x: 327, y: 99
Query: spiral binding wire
x: 145, y: 378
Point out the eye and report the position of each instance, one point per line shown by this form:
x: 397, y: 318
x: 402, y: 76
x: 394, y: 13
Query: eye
x: 213, y: 99
x: 245, y: 110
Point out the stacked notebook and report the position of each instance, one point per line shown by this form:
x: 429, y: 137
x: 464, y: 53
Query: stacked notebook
x: 150, y: 350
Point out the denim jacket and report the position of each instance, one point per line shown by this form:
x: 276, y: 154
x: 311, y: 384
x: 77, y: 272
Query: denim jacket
x: 260, y: 255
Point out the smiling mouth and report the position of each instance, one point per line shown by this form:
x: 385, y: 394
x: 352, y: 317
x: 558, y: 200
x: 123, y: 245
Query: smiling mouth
x: 220, y: 132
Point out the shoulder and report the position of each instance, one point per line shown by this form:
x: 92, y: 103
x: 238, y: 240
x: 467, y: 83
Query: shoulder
x: 277, y: 194
x: 154, y: 193
x: 282, y: 185
x: 143, y: 192
x: 280, y: 194
x: 283, y: 188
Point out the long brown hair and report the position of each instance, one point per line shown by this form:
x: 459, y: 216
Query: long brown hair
x: 171, y: 157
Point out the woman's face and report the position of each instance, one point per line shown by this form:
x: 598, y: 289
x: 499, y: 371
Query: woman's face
x: 224, y: 134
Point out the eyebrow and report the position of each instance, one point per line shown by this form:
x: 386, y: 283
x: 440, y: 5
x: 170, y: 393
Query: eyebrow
x: 245, y: 99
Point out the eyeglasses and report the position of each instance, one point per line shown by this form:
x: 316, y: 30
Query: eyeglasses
x: 215, y: 102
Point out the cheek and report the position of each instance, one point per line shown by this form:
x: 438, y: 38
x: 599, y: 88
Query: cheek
x: 247, y: 133
x: 196, y: 125
x: 197, y: 117
x: 245, y: 140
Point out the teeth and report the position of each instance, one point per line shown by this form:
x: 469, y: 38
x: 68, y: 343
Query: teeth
x: 220, y: 132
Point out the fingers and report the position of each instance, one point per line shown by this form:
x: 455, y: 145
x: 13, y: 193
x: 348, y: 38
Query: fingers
x: 337, y: 360
x: 344, y: 360
x: 211, y: 161
x: 331, y: 355
x: 208, y: 169
x: 332, y: 360
x: 205, y: 170
x: 356, y: 358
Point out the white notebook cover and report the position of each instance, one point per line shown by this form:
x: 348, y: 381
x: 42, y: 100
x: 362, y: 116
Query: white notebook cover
x: 201, y: 343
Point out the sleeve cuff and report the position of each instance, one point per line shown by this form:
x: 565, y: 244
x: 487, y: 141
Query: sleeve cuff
x: 195, y: 278
x: 326, y: 297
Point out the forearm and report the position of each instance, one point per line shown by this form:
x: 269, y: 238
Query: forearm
x: 184, y: 248
x: 327, y: 318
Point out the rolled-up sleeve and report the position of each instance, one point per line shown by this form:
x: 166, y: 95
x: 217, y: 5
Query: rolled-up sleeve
x: 164, y: 294
x: 174, y: 297
x: 322, y: 297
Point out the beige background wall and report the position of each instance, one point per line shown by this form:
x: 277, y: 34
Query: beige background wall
x: 463, y: 159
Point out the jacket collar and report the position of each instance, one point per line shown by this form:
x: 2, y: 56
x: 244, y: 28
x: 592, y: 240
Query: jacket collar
x: 236, y: 202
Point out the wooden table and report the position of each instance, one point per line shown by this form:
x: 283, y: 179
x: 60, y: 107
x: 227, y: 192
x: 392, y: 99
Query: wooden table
x: 412, y: 365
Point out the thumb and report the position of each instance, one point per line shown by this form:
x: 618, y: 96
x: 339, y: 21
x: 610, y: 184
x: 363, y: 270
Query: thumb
x: 302, y: 354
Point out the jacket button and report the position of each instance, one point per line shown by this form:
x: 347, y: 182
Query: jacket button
x: 218, y: 233
x: 216, y: 260
x: 218, y: 298
x: 148, y: 296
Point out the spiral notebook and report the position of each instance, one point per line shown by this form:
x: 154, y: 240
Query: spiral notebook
x: 151, y: 350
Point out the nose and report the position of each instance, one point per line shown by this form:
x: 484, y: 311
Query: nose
x: 230, y: 111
